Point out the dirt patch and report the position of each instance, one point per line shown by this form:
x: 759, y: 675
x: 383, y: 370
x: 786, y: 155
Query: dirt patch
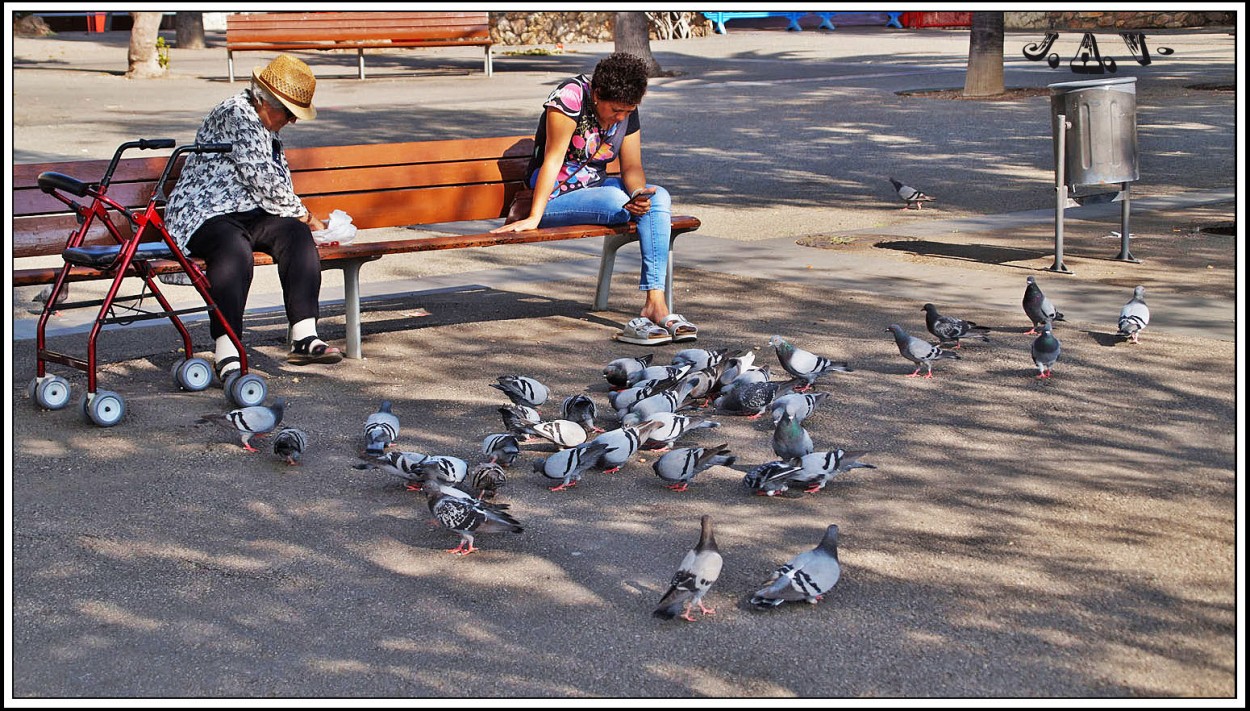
x: 958, y: 94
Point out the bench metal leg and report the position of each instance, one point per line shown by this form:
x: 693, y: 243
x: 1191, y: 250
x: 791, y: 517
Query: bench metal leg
x: 351, y: 304
x: 230, y: 64
x: 360, y: 62
x: 607, y: 264
x: 490, y: 70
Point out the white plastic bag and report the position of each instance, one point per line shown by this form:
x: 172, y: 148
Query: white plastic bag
x: 339, y: 230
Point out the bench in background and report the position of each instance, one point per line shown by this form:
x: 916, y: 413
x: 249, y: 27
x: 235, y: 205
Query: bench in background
x: 826, y: 19
x: 287, y: 31
x: 379, y: 185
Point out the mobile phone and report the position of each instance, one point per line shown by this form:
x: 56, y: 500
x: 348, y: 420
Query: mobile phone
x: 646, y: 193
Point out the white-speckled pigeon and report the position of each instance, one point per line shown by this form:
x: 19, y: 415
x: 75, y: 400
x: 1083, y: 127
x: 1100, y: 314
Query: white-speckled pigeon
x: 568, y: 465
x: 502, y: 449
x: 1045, y: 351
x: 753, y: 399
x: 623, y: 443
x: 381, y: 429
x: 817, y: 468
x: 909, y: 195
x: 522, y: 390
x: 617, y: 372
x: 468, y: 517
x: 696, y: 573
x: 1134, y: 316
x: 918, y: 351
x: 949, y: 329
x: 808, y: 575
x: 580, y: 409
x: 804, y: 364
x: 800, y: 406
x: 679, y: 466
x: 290, y: 444
x: 251, y: 421
x: 1037, y: 307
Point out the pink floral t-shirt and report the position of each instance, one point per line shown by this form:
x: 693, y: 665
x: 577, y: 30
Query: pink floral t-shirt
x: 591, y: 149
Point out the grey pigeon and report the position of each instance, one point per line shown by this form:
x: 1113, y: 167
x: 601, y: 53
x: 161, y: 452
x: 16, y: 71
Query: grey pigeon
x: 522, y: 390
x: 617, y: 372
x: 949, y: 329
x: 790, y: 440
x: 918, y: 351
x: 290, y: 444
x: 251, y: 421
x: 468, y: 517
x: 808, y: 575
x: 697, y: 572
x: 735, y: 366
x: 518, y: 418
x: 671, y: 400
x: 561, y: 433
x: 747, y: 376
x: 804, y: 364
x: 909, y: 195
x: 503, y: 449
x: 700, y: 358
x: 444, y: 469
x: 672, y: 426
x: 702, y: 382
x: 770, y: 478
x: 580, y: 409
x: 800, y: 406
x: 1045, y: 351
x: 679, y: 466
x: 43, y: 296
x: 1037, y: 307
x: 487, y: 479
x: 568, y: 465
x: 1134, y: 316
x: 658, y: 372
x: 381, y: 429
x: 622, y: 400
x: 623, y: 443
x: 817, y: 468
x: 405, y: 465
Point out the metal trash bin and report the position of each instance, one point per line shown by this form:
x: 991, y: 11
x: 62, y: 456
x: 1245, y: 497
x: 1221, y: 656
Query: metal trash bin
x: 1101, y: 136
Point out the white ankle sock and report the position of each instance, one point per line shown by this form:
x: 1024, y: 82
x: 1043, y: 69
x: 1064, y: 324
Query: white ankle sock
x: 225, y: 349
x: 304, y: 329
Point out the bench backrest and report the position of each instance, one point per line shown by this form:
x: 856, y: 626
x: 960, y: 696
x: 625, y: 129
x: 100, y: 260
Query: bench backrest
x: 379, y: 185
x: 279, y: 27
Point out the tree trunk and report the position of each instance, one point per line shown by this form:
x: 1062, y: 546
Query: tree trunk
x: 143, y: 60
x: 985, y: 55
x: 189, y: 30
x: 630, y: 34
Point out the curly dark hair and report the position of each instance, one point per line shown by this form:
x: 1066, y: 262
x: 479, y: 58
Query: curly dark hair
x: 620, y: 77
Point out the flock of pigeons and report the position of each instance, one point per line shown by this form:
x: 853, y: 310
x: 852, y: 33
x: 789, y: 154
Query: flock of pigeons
x: 651, y: 403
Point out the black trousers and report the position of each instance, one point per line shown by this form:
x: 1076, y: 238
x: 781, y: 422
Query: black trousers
x: 226, y: 243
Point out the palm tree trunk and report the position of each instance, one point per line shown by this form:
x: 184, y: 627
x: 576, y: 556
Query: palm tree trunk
x: 985, y: 55
x: 630, y: 34
x: 143, y: 62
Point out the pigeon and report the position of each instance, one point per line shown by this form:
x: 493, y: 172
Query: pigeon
x: 290, y: 444
x: 770, y: 478
x: 918, y: 351
x: 617, y: 372
x: 808, y: 575
x: 673, y: 426
x: 487, y: 479
x: 701, y: 382
x: 568, y: 465
x: 381, y: 429
x: 1038, y: 308
x: 444, y: 469
x: 804, y: 364
x: 1134, y: 316
x: 622, y: 400
x: 45, y: 293
x: 1045, y: 351
x: 695, y: 575
x: 817, y: 468
x: 405, y: 465
x: 561, y: 433
x: 522, y: 390
x: 468, y: 517
x: 949, y: 329
x: 909, y: 195
x: 580, y: 409
x: 518, y: 418
x: 790, y: 440
x: 700, y: 358
x: 753, y: 399
x: 623, y: 443
x: 680, y: 466
x: 673, y: 400
x: 736, y: 366
x: 800, y: 406
x: 747, y: 376
x: 251, y: 421
x: 658, y: 372
x: 503, y: 449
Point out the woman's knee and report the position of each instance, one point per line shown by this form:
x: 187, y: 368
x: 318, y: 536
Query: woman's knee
x: 661, y: 201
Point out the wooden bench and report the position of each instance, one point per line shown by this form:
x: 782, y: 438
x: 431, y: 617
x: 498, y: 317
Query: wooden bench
x: 719, y: 19
x: 379, y: 185
x: 288, y: 31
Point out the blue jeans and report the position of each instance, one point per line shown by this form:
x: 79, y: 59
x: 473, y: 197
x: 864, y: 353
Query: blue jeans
x: 603, y: 205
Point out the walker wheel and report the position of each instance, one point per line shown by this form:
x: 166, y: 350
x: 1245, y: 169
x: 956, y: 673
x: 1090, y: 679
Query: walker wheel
x: 245, y: 390
x: 105, y: 409
x: 52, y: 393
x: 193, y: 374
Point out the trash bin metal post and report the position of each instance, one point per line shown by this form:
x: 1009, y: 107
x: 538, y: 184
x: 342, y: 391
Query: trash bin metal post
x: 1061, y: 193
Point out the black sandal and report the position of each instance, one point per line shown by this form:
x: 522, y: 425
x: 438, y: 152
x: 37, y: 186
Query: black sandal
x: 304, y: 352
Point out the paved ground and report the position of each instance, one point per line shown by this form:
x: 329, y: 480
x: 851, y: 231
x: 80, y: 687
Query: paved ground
x: 1020, y: 539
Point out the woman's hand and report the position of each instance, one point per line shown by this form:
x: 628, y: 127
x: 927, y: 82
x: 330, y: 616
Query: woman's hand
x: 314, y: 223
x: 529, y: 223
x: 640, y: 202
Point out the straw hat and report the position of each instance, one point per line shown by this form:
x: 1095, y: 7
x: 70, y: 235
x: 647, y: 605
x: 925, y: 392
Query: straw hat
x: 289, y: 79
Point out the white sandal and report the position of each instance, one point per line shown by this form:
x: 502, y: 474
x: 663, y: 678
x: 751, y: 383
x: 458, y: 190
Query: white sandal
x: 680, y: 329
x: 643, y: 332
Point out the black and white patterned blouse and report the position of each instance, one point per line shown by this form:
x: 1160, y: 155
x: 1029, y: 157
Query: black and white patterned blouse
x: 254, y: 174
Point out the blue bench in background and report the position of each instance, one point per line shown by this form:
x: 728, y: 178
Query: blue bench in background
x: 826, y: 19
